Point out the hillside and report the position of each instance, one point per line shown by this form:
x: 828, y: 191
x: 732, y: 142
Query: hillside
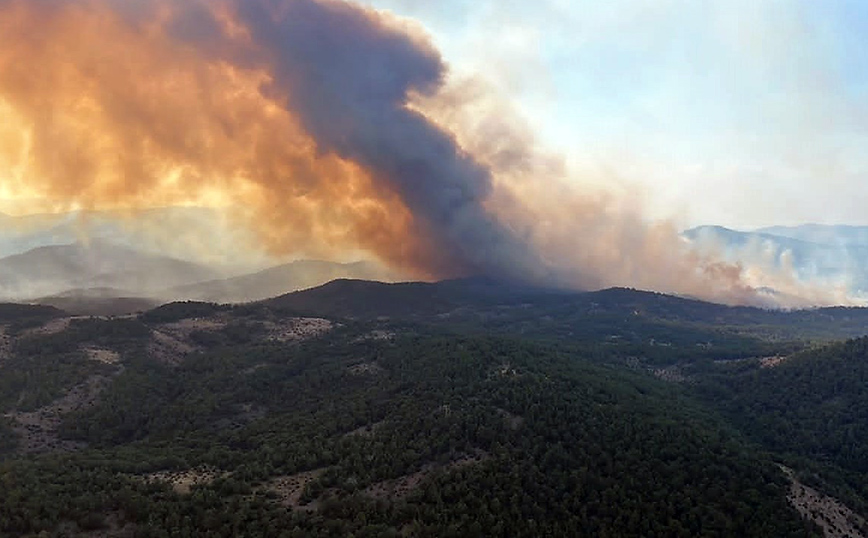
x: 460, y: 408
x: 55, y: 269
x: 531, y: 311
x: 98, y: 302
x: 275, y: 281
x: 365, y: 299
x: 811, y: 405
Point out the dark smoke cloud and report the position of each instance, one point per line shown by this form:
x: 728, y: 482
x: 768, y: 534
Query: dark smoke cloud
x: 305, y: 113
x: 349, y: 77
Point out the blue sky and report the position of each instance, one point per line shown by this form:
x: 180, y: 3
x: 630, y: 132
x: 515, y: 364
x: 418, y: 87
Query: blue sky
x: 739, y: 112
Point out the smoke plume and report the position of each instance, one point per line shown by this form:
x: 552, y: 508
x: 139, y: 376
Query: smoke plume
x: 328, y: 127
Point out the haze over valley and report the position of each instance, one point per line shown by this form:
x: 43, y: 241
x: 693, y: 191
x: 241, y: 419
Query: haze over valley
x: 189, y: 253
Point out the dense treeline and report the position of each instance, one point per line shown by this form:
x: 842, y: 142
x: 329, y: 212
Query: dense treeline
x: 21, y: 316
x: 495, y: 421
x: 814, y: 405
x: 508, y: 438
x: 28, y: 382
x: 8, y: 440
x: 504, y: 306
x: 41, y: 367
x: 177, y: 311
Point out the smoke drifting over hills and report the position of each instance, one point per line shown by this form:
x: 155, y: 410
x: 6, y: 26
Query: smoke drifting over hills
x: 328, y: 127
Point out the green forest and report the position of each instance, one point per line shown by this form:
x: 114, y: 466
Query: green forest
x: 459, y: 409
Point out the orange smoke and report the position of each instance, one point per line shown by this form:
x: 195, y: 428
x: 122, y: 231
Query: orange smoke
x: 103, y: 109
x: 328, y: 128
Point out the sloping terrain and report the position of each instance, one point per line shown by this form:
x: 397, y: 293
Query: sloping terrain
x: 52, y: 270
x: 813, y: 406
x: 99, y: 302
x: 276, y: 281
x: 540, y: 312
x: 462, y: 408
x: 367, y: 300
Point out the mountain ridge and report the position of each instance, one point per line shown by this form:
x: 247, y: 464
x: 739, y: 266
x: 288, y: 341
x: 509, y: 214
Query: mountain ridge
x: 276, y: 280
x: 54, y: 269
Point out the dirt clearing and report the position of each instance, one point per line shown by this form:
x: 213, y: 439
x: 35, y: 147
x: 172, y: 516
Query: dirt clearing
x: 836, y: 520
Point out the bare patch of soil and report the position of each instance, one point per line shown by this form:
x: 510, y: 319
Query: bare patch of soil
x: 172, y: 342
x: 168, y: 349
x: 182, y: 329
x: 836, y: 520
x: 365, y: 368
x: 183, y: 481
x: 105, y: 356
x: 38, y: 429
x: 377, y: 334
x: 398, y: 488
x: 368, y: 430
x: 672, y: 374
x: 295, y: 329
x: 289, y: 488
x: 52, y: 327
x: 771, y: 362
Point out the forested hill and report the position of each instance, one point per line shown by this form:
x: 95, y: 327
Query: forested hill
x: 366, y: 299
x: 465, y: 408
x: 812, y: 405
x: 490, y: 303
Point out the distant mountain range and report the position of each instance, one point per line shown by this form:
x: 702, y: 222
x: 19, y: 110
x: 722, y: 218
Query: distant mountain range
x: 98, y: 302
x: 103, y: 262
x: 822, y: 234
x: 55, y: 269
x: 813, y: 252
x: 277, y: 281
x: 110, y: 262
x: 196, y: 234
x: 101, y: 278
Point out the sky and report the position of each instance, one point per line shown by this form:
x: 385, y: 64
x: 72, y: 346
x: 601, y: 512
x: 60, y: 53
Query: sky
x: 742, y: 113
